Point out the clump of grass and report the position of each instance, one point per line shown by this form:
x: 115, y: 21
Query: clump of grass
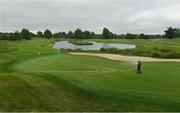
x: 52, y: 42
x: 63, y: 50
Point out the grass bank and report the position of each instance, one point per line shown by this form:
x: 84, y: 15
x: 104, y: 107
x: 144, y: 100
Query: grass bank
x: 157, y: 48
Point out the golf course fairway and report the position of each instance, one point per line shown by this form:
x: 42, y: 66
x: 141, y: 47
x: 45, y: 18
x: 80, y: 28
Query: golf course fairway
x: 36, y: 77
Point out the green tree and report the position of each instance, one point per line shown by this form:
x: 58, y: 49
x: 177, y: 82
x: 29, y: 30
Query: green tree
x: 33, y: 35
x: 106, y: 33
x: 40, y: 34
x: 115, y: 36
x: 70, y: 34
x: 111, y: 35
x: 170, y: 32
x: 63, y: 34
x: 87, y: 34
x: 25, y: 34
x: 16, y: 35
x: 56, y: 35
x: 47, y: 34
x: 177, y: 33
x: 78, y: 34
x: 130, y: 36
x: 143, y: 36
x: 3, y: 36
x: 93, y: 35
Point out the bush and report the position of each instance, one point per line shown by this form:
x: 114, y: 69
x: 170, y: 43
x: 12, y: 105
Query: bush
x: 63, y: 50
x: 52, y: 42
x: 156, y: 54
x: 172, y: 55
x: 164, y: 50
x: 155, y: 48
x: 75, y: 42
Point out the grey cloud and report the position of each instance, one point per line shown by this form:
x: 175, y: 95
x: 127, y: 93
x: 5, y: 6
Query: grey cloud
x: 121, y: 16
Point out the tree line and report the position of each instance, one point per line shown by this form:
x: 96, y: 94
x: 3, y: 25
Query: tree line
x: 25, y: 34
x: 172, y: 32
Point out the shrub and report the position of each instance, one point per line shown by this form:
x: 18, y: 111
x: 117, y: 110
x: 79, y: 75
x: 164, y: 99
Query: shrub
x: 52, y: 42
x: 164, y: 50
x: 80, y: 42
x: 156, y: 54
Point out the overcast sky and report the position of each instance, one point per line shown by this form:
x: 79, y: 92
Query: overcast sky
x: 120, y: 16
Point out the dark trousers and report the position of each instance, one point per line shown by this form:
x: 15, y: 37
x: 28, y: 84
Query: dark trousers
x: 139, y: 71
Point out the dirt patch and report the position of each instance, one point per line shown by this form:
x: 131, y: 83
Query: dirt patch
x: 126, y: 58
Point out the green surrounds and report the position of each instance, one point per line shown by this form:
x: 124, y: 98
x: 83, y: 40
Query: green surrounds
x: 35, y: 77
x: 160, y: 48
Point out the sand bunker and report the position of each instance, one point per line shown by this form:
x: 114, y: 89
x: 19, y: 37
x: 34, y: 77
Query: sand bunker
x: 126, y: 58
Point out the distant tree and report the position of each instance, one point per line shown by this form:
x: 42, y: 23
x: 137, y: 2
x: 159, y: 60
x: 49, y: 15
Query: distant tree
x: 158, y: 36
x: 111, y: 35
x: 70, y: 34
x: 115, y: 36
x: 47, y: 34
x: 56, y: 35
x: 121, y: 36
x: 10, y: 36
x: 130, y: 36
x: 17, y: 35
x: 63, y: 34
x: 33, y: 35
x: 4, y: 36
x: 143, y: 36
x: 170, y: 32
x: 78, y: 34
x: 92, y: 35
x: 59, y: 34
x: 40, y: 34
x: 1, y: 36
x: 87, y: 34
x: 177, y: 33
x: 106, y: 33
x: 25, y: 34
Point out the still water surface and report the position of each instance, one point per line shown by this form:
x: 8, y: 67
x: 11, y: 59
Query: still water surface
x: 95, y: 46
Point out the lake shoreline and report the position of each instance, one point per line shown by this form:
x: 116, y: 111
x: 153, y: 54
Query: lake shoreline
x: 94, y: 46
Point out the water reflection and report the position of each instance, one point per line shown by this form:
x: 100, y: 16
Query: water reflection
x: 95, y: 46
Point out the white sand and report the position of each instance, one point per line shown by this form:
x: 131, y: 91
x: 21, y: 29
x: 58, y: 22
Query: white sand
x: 126, y: 58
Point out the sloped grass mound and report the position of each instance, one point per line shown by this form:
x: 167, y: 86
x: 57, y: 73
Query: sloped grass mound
x: 114, y: 85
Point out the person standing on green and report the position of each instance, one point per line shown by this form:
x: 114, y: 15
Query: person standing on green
x: 139, y: 67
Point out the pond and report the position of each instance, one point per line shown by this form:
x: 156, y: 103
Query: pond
x: 95, y: 46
